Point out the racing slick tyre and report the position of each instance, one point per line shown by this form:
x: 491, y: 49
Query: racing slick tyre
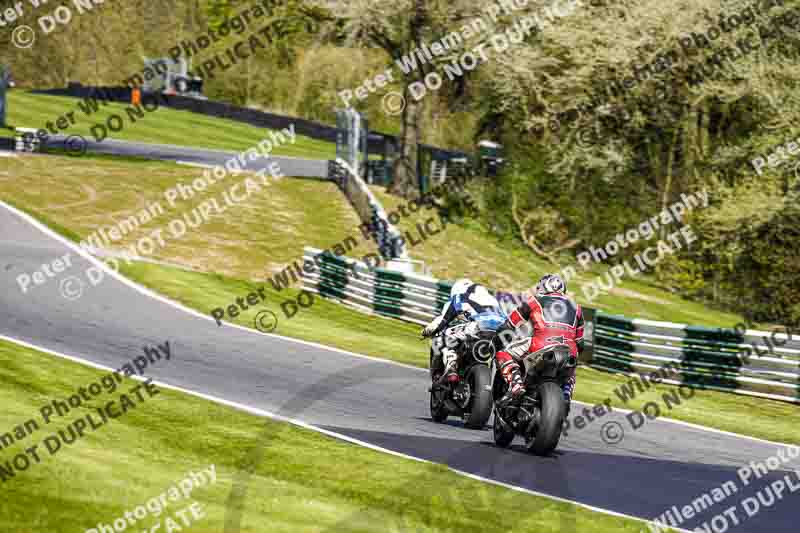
x: 547, y: 432
x: 479, y: 409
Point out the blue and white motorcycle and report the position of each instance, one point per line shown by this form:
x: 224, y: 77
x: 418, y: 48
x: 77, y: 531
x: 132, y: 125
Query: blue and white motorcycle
x: 470, y: 397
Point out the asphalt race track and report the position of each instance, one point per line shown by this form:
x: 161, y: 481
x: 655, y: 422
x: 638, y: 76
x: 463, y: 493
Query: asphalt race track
x: 660, y: 465
x: 290, y: 166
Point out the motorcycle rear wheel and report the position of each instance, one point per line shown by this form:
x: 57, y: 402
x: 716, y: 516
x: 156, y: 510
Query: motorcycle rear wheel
x: 551, y: 418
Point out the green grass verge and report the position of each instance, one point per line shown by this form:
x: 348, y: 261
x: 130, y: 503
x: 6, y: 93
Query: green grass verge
x: 335, y: 325
x: 253, y: 241
x: 162, y: 126
x: 304, y: 481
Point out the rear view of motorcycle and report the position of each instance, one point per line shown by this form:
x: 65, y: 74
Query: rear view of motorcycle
x: 539, y: 414
x: 470, y: 397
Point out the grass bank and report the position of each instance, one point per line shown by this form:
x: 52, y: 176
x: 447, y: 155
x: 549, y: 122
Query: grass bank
x: 162, y: 126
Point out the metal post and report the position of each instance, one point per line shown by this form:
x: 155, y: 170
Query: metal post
x: 341, y: 134
x: 355, y: 137
x: 590, y: 323
x: 4, y: 77
x: 364, y: 144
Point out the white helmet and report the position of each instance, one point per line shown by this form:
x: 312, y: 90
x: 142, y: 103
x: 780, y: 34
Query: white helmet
x: 460, y: 286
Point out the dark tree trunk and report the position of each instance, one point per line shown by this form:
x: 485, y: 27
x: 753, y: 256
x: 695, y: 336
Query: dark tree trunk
x: 406, y: 182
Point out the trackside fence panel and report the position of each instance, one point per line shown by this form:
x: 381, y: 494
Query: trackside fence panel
x: 754, y: 363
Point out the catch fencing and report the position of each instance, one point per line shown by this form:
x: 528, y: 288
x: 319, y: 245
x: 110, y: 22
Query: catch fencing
x: 753, y: 363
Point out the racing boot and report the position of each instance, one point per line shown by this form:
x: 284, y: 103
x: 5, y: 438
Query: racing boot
x: 516, y: 388
x: 450, y: 358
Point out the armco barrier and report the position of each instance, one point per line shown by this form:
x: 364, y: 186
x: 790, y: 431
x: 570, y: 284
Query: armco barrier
x: 718, y: 359
x: 370, y: 211
x: 409, y: 297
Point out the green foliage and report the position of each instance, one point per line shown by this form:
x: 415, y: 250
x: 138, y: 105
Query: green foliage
x: 218, y: 11
x: 579, y: 177
x: 638, y: 150
x: 750, y: 259
x: 769, y: 269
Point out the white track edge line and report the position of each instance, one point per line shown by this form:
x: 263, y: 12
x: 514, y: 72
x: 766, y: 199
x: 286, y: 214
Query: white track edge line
x: 274, y: 416
x: 147, y: 292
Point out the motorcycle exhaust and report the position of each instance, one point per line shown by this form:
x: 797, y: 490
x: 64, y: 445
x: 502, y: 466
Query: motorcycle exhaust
x: 504, y: 425
x: 534, y: 421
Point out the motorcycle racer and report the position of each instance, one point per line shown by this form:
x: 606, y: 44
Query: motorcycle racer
x: 556, y: 320
x: 473, y: 302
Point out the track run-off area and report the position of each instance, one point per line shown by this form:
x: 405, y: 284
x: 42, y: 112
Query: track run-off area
x: 372, y: 402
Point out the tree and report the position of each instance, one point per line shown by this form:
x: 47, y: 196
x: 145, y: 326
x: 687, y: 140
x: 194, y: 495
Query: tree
x: 399, y: 28
x: 691, y: 116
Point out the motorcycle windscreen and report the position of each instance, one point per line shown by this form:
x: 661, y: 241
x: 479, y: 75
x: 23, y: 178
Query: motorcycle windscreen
x: 489, y: 321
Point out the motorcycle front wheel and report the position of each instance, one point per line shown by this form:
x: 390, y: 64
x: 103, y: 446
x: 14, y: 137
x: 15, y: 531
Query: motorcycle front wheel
x: 439, y: 411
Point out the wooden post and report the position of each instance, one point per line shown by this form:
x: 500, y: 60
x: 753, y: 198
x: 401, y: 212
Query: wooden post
x: 590, y: 321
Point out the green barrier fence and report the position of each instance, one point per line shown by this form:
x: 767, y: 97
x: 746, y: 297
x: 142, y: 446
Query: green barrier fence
x: 753, y: 362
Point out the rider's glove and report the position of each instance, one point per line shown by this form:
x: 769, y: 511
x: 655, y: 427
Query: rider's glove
x: 427, y: 331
